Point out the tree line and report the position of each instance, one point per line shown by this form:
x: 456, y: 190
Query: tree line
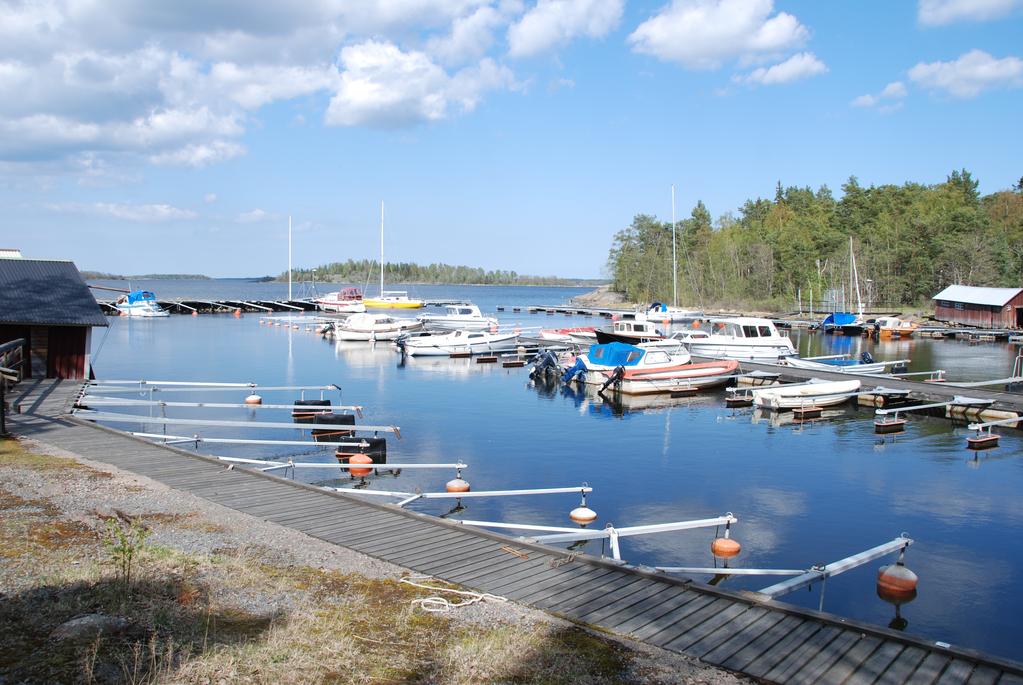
x: 909, y: 240
x: 368, y: 270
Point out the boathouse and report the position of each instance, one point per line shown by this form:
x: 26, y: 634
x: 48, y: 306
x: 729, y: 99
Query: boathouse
x: 46, y: 303
x: 982, y: 307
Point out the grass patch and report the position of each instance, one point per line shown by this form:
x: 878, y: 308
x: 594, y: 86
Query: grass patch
x: 14, y: 454
x: 231, y: 616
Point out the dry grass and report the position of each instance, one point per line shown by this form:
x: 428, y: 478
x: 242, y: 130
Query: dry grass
x: 232, y: 617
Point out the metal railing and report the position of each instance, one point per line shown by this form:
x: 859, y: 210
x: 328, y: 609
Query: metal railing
x: 12, y: 357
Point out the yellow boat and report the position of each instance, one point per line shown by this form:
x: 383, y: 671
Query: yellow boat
x: 389, y: 299
x: 392, y: 299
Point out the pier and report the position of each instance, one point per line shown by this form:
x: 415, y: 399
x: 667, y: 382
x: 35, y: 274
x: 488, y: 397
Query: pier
x: 746, y: 632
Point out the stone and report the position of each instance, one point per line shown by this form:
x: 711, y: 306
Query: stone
x: 90, y: 626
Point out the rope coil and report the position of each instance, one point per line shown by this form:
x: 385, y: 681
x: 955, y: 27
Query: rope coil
x: 437, y: 604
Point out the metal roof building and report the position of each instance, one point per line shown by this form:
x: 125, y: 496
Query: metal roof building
x: 47, y: 303
x: 983, y: 307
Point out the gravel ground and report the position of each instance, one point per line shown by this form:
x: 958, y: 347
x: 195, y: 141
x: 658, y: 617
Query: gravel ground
x: 195, y: 526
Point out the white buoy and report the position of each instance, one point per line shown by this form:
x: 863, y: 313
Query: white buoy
x: 253, y: 399
x: 457, y: 485
x: 583, y: 514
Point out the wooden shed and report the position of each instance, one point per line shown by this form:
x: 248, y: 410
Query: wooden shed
x: 47, y: 303
x: 982, y: 307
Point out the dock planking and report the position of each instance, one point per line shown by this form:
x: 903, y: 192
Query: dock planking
x: 743, y: 632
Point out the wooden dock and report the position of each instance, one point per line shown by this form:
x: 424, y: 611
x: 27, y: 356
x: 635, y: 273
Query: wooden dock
x: 741, y: 631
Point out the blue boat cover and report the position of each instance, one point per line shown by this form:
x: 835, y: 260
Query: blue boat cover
x: 615, y: 354
x: 658, y: 307
x: 139, y: 296
x: 839, y: 319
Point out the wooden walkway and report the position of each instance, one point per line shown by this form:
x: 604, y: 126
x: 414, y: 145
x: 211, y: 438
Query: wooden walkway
x: 739, y: 631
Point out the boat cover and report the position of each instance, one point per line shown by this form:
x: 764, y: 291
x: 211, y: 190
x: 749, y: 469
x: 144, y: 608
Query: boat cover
x: 615, y: 354
x: 140, y: 296
x: 839, y: 319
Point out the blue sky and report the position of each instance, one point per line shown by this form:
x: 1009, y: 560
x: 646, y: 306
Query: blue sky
x: 507, y: 134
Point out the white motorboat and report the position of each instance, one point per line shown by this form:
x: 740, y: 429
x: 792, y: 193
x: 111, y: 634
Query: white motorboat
x: 839, y: 364
x: 140, y: 303
x: 580, y: 335
x: 374, y: 327
x: 458, y: 317
x: 629, y: 331
x: 637, y: 370
x: 659, y: 311
x: 741, y: 337
x: 344, y: 301
x: 458, y: 343
x: 815, y: 393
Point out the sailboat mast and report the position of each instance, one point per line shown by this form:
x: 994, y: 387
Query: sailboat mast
x: 856, y: 279
x: 289, y: 259
x: 381, y: 248
x: 674, y: 256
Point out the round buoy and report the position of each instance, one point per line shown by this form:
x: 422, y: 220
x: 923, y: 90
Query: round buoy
x: 583, y: 515
x: 725, y: 548
x: 253, y: 399
x: 360, y: 459
x: 896, y: 580
x: 237, y: 313
x: 457, y: 485
x: 195, y: 313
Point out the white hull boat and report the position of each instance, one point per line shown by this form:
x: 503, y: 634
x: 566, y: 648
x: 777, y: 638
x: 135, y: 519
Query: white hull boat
x: 638, y: 370
x: 851, y: 366
x: 346, y: 301
x: 372, y: 327
x: 458, y: 343
x: 743, y: 337
x: 461, y: 317
x: 140, y: 303
x: 812, y: 394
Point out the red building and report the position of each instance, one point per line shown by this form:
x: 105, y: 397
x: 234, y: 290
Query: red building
x: 47, y: 304
x: 981, y: 307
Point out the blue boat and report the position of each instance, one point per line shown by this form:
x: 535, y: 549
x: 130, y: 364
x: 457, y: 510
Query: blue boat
x: 842, y: 323
x: 139, y: 303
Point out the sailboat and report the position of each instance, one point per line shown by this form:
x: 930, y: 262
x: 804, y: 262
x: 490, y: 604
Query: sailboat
x: 389, y: 299
x: 847, y: 323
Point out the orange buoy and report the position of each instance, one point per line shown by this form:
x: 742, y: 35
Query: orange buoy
x: 726, y: 548
x: 360, y: 459
x: 896, y: 580
x: 237, y: 313
x: 253, y: 399
x: 195, y: 313
x: 457, y: 485
x: 583, y: 515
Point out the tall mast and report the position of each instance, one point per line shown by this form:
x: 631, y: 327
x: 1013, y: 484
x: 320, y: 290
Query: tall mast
x: 289, y: 258
x: 674, y: 257
x: 381, y: 248
x: 856, y: 278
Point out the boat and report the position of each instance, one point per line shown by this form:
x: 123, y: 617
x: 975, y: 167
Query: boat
x: 374, y: 327
x: 815, y: 393
x: 847, y: 323
x: 742, y: 337
x: 389, y: 299
x: 464, y: 317
x: 635, y: 370
x: 458, y: 343
x: 140, y: 303
x: 658, y: 311
x: 865, y: 364
x: 629, y: 331
x: 344, y: 301
x: 893, y: 327
x: 579, y: 335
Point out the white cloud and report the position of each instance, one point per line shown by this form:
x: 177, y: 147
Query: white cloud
x: 199, y: 154
x: 209, y: 198
x: 470, y: 37
x: 552, y: 23
x: 894, y: 91
x: 383, y: 86
x: 970, y: 75
x: 941, y: 12
x: 799, y: 66
x: 253, y: 217
x: 147, y: 213
x: 703, y: 34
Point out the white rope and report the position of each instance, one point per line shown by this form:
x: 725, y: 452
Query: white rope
x: 436, y: 604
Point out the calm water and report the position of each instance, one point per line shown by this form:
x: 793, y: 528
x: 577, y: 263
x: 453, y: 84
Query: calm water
x: 803, y: 494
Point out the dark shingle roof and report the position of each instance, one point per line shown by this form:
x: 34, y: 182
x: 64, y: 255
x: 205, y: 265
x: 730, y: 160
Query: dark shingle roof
x: 43, y: 292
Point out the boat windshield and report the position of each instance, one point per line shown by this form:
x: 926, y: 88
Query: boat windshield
x: 727, y: 328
